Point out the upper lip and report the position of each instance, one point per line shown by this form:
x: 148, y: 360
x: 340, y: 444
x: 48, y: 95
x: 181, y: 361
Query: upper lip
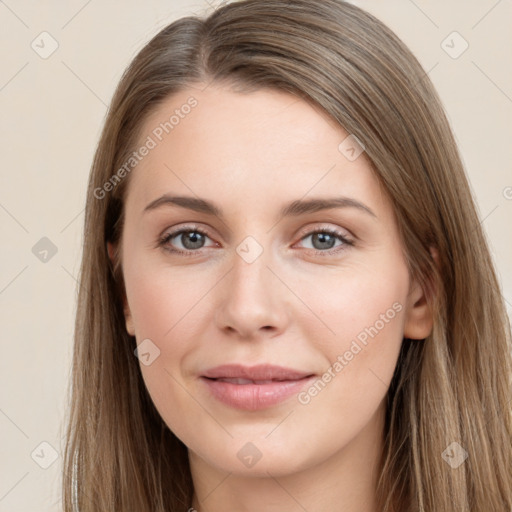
x: 258, y: 372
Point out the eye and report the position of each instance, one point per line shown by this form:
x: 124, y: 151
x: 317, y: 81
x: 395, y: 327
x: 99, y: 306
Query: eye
x: 191, y: 238
x: 323, y: 240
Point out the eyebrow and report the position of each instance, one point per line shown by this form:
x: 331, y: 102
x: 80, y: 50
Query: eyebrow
x: 292, y: 209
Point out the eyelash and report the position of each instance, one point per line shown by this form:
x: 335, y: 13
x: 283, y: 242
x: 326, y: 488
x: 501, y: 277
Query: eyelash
x: 163, y: 241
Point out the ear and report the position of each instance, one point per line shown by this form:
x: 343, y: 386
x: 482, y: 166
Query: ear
x: 112, y: 254
x: 419, y: 318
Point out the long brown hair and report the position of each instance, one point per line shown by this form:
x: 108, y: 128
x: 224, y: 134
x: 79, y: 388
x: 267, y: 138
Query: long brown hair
x: 452, y: 387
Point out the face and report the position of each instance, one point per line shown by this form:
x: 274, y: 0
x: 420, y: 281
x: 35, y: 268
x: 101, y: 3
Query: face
x: 306, y: 302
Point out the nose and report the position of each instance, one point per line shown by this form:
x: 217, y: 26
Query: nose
x: 253, y: 301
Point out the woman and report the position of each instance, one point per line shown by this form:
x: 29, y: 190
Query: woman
x: 286, y: 301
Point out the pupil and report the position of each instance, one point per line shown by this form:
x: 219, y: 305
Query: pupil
x: 325, y: 240
x: 192, y: 240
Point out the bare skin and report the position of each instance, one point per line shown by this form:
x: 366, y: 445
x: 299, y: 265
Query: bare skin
x: 300, y: 303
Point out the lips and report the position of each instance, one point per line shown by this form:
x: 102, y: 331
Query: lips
x: 261, y: 372
x: 246, y: 381
x: 254, y: 388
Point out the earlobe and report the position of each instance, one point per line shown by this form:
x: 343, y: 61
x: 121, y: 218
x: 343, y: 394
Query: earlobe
x: 419, y: 319
x: 112, y: 254
x: 129, y: 321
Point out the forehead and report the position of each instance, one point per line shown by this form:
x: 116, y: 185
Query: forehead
x: 238, y: 121
x: 253, y: 147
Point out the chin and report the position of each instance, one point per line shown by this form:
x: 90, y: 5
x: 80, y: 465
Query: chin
x: 258, y: 457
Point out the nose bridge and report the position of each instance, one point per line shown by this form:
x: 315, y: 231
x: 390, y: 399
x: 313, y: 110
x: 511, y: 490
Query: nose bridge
x: 251, y: 300
x: 250, y: 274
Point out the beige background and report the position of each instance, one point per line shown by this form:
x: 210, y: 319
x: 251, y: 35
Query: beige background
x: 51, y: 113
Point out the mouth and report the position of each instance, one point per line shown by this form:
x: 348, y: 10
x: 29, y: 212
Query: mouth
x: 261, y: 372
x: 243, y: 382
x: 254, y: 388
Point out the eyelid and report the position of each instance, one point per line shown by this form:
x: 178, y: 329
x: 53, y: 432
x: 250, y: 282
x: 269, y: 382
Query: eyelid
x: 323, y: 226
x: 346, y: 241
x: 169, y: 234
x: 344, y: 235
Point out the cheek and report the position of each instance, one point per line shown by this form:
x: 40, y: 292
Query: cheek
x: 167, y: 307
x: 357, y: 303
x: 365, y: 312
x: 161, y: 297
x: 164, y: 306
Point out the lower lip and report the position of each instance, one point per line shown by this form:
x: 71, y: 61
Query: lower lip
x: 254, y: 397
